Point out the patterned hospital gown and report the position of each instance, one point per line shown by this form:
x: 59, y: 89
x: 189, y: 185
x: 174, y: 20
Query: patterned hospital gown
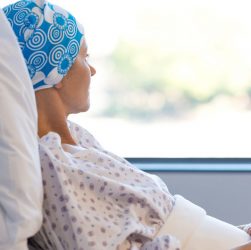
x: 95, y: 200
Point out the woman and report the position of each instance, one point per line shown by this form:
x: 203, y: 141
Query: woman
x: 93, y: 198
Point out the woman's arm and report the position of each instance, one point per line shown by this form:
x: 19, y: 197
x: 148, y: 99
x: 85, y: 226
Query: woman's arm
x: 244, y: 247
x: 247, y: 229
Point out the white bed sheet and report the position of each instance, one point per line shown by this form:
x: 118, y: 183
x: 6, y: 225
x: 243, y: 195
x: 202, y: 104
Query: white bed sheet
x: 20, y: 175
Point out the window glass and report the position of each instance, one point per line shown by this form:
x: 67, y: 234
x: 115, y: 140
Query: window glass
x: 173, y: 77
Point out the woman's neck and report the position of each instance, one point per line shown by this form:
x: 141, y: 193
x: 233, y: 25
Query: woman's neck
x: 52, y: 116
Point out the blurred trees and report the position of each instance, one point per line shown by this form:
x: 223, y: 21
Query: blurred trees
x: 171, y: 60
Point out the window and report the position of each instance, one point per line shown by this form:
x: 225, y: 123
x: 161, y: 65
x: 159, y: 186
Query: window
x: 173, y: 77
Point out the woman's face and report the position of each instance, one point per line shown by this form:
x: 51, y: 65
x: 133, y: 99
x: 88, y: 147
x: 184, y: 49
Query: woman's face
x: 74, y: 88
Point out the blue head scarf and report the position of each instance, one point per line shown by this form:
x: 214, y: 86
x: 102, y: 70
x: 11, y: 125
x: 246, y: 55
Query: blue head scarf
x: 50, y: 39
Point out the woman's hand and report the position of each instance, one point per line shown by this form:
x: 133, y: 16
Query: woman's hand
x: 243, y: 247
x: 246, y: 228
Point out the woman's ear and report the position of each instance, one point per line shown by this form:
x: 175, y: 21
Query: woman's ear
x: 58, y: 85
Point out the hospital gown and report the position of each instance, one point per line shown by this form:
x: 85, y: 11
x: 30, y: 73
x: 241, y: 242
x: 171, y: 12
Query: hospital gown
x: 95, y: 200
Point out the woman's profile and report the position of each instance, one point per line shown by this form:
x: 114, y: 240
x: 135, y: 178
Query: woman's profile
x: 94, y: 199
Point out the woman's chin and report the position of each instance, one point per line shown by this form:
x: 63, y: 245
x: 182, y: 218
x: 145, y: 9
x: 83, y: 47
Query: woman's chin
x: 85, y: 108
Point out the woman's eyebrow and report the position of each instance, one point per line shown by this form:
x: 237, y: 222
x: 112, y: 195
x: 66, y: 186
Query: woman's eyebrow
x: 85, y: 50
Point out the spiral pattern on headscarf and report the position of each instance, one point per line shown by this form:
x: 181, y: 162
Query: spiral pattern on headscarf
x: 38, y: 60
x: 56, y: 54
x: 38, y: 40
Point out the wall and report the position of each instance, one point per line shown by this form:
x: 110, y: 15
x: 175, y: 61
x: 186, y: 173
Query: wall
x: 225, y: 195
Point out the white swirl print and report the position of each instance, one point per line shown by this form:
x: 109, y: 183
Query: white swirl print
x: 32, y: 70
x: 7, y: 10
x: 11, y: 22
x: 56, y: 35
x: 19, y: 17
x: 22, y: 30
x: 38, y: 60
x: 56, y: 54
x: 73, y: 48
x: 37, y: 40
x: 71, y: 30
x: 21, y: 4
x: 22, y: 45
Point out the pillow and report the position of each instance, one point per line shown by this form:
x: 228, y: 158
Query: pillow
x: 20, y: 174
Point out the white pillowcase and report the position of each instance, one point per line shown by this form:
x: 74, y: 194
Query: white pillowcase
x: 20, y: 174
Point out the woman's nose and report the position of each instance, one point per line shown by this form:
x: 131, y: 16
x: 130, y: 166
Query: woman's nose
x: 93, y: 70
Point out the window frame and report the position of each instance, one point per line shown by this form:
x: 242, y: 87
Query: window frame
x: 192, y: 164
